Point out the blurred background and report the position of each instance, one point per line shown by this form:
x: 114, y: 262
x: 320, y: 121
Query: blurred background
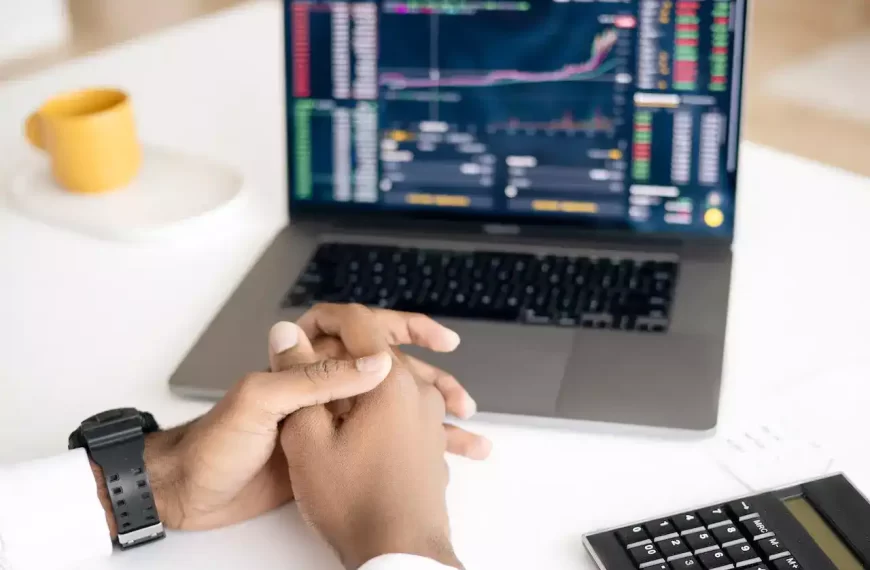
x: 807, y: 86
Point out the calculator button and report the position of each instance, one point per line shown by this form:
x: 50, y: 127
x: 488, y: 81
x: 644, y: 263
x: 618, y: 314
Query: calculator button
x: 727, y: 535
x: 787, y: 564
x: 660, y: 566
x: 715, y: 560
x: 701, y: 542
x: 742, y: 510
x: 687, y: 563
x: 646, y: 555
x: 756, y: 528
x: 743, y: 555
x: 674, y: 548
x: 688, y: 522
x: 633, y: 536
x: 772, y: 548
x: 661, y: 529
x: 714, y: 516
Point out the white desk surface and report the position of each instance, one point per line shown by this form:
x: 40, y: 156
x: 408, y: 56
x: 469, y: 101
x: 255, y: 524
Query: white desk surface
x: 87, y: 325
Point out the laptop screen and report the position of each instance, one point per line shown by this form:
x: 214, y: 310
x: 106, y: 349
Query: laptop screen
x: 620, y: 113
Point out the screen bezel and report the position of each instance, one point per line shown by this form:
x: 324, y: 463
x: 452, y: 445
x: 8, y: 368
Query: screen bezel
x: 474, y: 222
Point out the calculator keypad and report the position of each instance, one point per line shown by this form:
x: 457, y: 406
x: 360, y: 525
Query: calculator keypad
x: 772, y: 548
x: 742, y: 554
x: 756, y: 529
x: 714, y: 516
x: 715, y: 560
x: 661, y: 529
x: 674, y: 548
x: 646, y: 555
x: 742, y: 510
x: 701, y: 541
x: 688, y: 522
x: 732, y: 537
x: 727, y: 535
x: 633, y: 536
x: 787, y: 564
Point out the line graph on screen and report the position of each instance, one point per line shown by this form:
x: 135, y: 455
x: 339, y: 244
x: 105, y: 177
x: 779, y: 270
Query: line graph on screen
x: 597, y: 65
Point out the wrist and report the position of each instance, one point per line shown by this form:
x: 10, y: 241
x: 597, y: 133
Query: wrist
x: 435, y: 546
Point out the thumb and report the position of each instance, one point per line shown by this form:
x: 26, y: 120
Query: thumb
x: 279, y: 394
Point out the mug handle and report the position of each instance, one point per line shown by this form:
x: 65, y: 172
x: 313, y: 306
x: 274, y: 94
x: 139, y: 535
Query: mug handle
x: 33, y: 131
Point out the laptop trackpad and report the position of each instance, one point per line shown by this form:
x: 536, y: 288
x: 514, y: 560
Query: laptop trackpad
x: 507, y: 368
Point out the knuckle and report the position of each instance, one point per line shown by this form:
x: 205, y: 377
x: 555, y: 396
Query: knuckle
x: 320, y: 307
x: 357, y: 309
x: 322, y: 370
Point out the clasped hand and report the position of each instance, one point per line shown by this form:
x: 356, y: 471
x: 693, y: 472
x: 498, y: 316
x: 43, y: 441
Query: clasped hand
x: 344, y: 423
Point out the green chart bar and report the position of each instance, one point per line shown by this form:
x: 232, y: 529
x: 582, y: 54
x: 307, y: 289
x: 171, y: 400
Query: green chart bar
x: 642, y: 146
x: 303, y: 189
x: 720, y: 45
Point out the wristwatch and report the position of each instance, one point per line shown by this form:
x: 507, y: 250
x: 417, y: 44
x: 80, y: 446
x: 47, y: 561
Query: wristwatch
x: 115, y: 440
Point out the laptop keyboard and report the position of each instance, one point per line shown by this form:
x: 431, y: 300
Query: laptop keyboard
x: 622, y: 294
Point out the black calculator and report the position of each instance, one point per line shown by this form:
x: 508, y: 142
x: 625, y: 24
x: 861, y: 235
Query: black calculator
x: 822, y: 524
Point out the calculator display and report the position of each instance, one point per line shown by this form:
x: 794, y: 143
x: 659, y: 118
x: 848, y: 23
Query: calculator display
x: 823, y: 534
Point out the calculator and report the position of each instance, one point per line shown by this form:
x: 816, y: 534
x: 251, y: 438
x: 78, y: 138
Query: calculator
x: 822, y: 524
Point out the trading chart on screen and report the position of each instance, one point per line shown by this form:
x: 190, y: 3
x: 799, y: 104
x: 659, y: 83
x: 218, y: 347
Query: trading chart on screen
x: 611, y: 108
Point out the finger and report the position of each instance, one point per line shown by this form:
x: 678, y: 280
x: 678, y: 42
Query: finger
x: 330, y: 347
x: 467, y: 444
x: 274, y: 396
x: 289, y: 345
x: 364, y: 330
x: 414, y: 328
x: 459, y: 402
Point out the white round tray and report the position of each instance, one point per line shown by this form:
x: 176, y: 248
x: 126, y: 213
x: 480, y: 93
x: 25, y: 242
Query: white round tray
x: 171, y: 191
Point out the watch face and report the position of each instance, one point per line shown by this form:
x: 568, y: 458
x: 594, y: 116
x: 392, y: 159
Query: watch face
x: 111, y: 424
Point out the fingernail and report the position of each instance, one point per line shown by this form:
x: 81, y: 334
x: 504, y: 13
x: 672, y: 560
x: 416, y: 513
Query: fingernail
x: 283, y: 336
x: 483, y: 448
x: 453, y: 339
x: 470, y: 407
x: 377, y: 363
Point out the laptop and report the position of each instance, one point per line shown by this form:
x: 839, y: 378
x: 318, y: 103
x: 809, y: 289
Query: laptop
x: 554, y: 180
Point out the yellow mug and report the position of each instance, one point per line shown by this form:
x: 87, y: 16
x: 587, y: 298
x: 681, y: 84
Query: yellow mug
x: 90, y: 136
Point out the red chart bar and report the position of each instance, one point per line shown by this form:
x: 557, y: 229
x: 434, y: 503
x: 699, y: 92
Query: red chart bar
x: 301, y: 51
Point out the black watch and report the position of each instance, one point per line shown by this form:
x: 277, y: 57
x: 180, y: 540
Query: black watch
x: 115, y: 440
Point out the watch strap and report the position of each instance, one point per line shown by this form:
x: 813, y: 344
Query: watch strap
x: 129, y: 491
x: 115, y: 440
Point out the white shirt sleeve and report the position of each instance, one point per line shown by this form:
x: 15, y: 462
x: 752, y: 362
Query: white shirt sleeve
x: 403, y: 562
x: 50, y: 514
